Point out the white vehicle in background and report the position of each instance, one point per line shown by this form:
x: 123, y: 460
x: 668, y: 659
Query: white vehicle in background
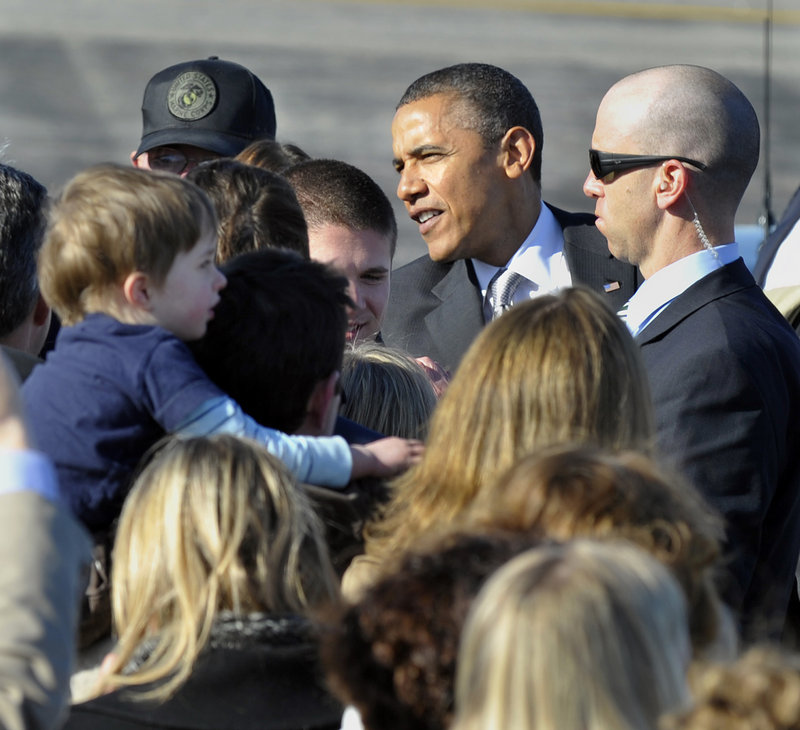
x: 749, y: 236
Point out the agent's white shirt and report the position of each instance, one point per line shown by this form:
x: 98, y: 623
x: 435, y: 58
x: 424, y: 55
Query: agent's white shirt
x: 656, y: 293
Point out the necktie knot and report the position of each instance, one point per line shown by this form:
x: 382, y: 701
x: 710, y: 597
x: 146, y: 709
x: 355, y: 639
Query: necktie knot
x: 500, y: 291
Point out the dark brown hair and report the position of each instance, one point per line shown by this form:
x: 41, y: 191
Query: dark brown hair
x: 332, y: 192
x: 256, y: 208
x: 393, y: 654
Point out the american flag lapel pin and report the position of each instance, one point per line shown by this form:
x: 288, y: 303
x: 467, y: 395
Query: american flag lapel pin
x: 611, y: 286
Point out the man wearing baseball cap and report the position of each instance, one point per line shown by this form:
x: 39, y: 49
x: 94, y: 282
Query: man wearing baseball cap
x: 201, y: 110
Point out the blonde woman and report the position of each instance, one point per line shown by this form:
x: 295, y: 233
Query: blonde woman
x: 218, y: 559
x: 558, y: 368
x: 387, y: 391
x: 580, y: 636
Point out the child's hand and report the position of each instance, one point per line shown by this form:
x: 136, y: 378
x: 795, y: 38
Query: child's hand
x: 385, y: 457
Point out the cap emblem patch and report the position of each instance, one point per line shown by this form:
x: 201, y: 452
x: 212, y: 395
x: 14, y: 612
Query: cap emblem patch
x: 192, y: 96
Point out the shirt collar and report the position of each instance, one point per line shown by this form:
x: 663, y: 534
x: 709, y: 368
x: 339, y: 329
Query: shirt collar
x: 655, y: 293
x: 534, y: 258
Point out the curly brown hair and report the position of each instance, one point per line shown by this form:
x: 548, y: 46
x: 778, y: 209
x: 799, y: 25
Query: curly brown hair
x: 393, y: 654
x: 759, y: 691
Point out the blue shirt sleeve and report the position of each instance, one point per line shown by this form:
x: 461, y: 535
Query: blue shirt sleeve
x: 30, y: 471
x: 325, y: 461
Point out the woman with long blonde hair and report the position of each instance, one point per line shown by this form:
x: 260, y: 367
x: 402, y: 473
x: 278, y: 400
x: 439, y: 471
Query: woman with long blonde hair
x: 559, y: 368
x: 218, y: 560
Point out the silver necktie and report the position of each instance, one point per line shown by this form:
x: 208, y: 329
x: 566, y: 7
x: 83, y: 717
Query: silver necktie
x: 501, y: 290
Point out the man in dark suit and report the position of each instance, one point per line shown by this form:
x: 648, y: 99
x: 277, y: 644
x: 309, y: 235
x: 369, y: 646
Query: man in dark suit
x: 467, y: 145
x: 673, y: 150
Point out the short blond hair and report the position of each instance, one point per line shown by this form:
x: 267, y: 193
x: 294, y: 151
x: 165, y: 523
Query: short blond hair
x: 581, y: 636
x: 387, y: 391
x: 212, y: 524
x: 110, y: 221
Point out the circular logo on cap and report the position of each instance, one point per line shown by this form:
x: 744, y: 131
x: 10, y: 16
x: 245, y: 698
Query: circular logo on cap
x: 192, y: 96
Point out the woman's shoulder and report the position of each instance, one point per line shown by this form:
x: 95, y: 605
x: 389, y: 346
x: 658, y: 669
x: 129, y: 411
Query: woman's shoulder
x: 260, y: 668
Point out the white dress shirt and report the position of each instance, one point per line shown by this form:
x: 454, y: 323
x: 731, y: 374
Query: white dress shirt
x: 540, y: 259
x: 656, y: 293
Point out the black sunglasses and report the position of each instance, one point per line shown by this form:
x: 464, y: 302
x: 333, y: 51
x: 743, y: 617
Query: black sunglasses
x: 604, y: 164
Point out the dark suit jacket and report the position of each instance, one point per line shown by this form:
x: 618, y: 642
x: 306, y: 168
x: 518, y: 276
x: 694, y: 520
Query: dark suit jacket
x: 436, y: 309
x: 768, y: 249
x: 724, y: 367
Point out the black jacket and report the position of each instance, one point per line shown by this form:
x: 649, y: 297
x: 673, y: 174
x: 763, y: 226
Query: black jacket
x: 724, y: 370
x: 257, y: 672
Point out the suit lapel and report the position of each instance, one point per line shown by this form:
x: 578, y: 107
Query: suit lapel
x: 455, y: 323
x: 591, y: 263
x: 720, y: 283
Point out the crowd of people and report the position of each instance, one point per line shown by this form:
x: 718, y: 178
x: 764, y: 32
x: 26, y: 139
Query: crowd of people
x: 544, y: 476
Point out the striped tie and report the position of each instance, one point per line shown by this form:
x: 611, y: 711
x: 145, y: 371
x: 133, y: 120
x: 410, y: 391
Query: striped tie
x: 501, y: 290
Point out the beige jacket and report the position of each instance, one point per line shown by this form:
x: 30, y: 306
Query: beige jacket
x: 43, y: 551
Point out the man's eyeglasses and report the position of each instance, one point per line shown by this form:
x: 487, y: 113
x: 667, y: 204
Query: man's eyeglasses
x: 169, y: 159
x: 604, y: 164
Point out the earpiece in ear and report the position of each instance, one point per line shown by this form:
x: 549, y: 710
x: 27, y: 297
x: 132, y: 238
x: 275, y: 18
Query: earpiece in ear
x: 662, y: 187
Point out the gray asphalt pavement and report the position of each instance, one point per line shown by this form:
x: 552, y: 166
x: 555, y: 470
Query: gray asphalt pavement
x: 73, y: 72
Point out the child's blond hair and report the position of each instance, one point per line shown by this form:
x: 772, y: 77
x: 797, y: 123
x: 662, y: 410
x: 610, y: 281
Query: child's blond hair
x: 110, y: 221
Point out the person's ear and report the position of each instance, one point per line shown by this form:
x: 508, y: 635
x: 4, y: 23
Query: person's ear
x: 41, y: 312
x: 670, y: 183
x: 136, y: 290
x: 322, y: 399
x: 135, y: 161
x: 517, y: 150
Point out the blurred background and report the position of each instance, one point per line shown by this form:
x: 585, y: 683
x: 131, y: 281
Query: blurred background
x: 74, y: 71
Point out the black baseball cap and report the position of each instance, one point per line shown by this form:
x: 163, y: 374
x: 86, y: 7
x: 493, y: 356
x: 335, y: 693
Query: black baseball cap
x: 213, y: 104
